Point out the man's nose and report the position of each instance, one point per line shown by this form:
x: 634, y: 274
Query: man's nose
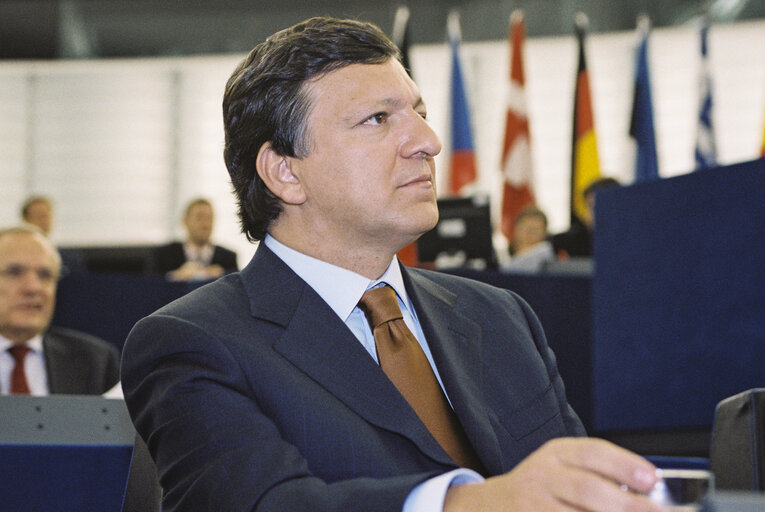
x: 31, y: 281
x: 37, y: 279
x: 421, y: 139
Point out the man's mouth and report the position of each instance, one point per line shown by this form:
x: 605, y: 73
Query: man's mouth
x: 422, y: 179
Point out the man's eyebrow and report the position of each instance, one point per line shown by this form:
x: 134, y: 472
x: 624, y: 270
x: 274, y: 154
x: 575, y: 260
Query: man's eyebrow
x: 396, y: 102
x: 387, y: 102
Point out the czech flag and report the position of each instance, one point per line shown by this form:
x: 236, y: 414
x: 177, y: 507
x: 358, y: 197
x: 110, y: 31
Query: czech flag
x: 463, y: 168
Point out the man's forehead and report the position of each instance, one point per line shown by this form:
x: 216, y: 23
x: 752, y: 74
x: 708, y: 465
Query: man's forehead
x: 18, y: 246
x: 384, y: 84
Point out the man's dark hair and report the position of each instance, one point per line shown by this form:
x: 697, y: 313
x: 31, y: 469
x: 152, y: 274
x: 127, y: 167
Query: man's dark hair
x: 265, y: 101
x: 600, y: 184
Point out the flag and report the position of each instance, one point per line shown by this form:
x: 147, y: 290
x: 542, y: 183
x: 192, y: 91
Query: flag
x: 706, y: 152
x: 641, y: 125
x: 585, y: 166
x: 517, y: 191
x: 463, y: 169
x: 400, y: 35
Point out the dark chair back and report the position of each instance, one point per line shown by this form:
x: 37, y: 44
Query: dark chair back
x: 737, y: 451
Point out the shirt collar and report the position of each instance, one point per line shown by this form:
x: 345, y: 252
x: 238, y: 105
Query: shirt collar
x: 190, y: 248
x: 34, y: 344
x: 340, y: 288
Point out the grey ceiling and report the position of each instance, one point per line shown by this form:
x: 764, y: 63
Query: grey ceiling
x: 130, y: 28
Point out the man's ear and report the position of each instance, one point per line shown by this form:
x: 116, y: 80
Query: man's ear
x: 276, y: 172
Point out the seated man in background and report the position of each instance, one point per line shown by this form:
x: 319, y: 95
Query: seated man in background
x: 197, y: 257
x: 38, y: 211
x: 33, y: 358
x: 327, y: 377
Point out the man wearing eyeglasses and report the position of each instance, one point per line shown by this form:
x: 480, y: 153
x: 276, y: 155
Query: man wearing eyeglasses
x: 34, y: 359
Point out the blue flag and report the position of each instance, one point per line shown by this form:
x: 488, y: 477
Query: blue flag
x: 641, y: 126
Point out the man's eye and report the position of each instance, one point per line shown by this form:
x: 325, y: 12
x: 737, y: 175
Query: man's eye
x: 13, y: 271
x: 46, y: 275
x: 378, y: 118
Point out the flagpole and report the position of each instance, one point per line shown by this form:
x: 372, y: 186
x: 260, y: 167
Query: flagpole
x: 399, y: 24
x: 706, y: 150
x: 453, y: 27
x: 400, y: 35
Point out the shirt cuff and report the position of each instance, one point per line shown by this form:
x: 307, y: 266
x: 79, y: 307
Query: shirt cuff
x: 429, y: 495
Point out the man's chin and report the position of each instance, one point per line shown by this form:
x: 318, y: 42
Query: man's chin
x: 31, y: 327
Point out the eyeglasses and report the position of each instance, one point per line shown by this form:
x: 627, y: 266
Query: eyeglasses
x: 16, y: 272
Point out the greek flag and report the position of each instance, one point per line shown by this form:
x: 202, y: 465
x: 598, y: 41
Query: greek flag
x: 706, y: 152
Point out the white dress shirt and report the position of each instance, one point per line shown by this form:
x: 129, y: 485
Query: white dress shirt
x: 202, y: 255
x: 34, y: 367
x: 342, y: 289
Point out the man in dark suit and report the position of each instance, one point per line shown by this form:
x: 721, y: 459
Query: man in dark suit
x: 197, y: 257
x: 262, y: 391
x: 53, y: 360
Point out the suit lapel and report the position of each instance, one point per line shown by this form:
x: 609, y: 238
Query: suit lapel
x: 57, y: 365
x: 331, y: 355
x: 455, y: 341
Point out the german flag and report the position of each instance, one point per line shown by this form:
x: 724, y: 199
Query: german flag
x: 585, y: 166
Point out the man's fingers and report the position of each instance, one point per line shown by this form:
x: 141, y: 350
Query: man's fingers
x: 609, y: 461
x: 585, y: 490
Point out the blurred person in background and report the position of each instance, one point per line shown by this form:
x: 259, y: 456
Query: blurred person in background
x: 530, y: 248
x: 197, y: 257
x: 576, y: 242
x: 38, y: 211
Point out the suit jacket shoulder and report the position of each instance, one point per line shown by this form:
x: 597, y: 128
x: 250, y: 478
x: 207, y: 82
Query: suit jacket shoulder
x: 78, y: 363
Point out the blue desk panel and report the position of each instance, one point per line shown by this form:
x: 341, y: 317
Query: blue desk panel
x: 679, y: 297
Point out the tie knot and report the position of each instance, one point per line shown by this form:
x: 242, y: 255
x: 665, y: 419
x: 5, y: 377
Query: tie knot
x: 380, y: 305
x: 19, y: 352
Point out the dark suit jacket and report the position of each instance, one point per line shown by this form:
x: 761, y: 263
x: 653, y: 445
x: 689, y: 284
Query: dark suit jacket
x: 253, y: 395
x: 171, y: 256
x: 79, y: 364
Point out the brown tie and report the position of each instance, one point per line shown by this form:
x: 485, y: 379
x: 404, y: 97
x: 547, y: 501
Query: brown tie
x: 19, y: 384
x: 407, y: 367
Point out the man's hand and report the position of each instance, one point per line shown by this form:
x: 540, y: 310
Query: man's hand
x: 195, y: 270
x: 564, y: 474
